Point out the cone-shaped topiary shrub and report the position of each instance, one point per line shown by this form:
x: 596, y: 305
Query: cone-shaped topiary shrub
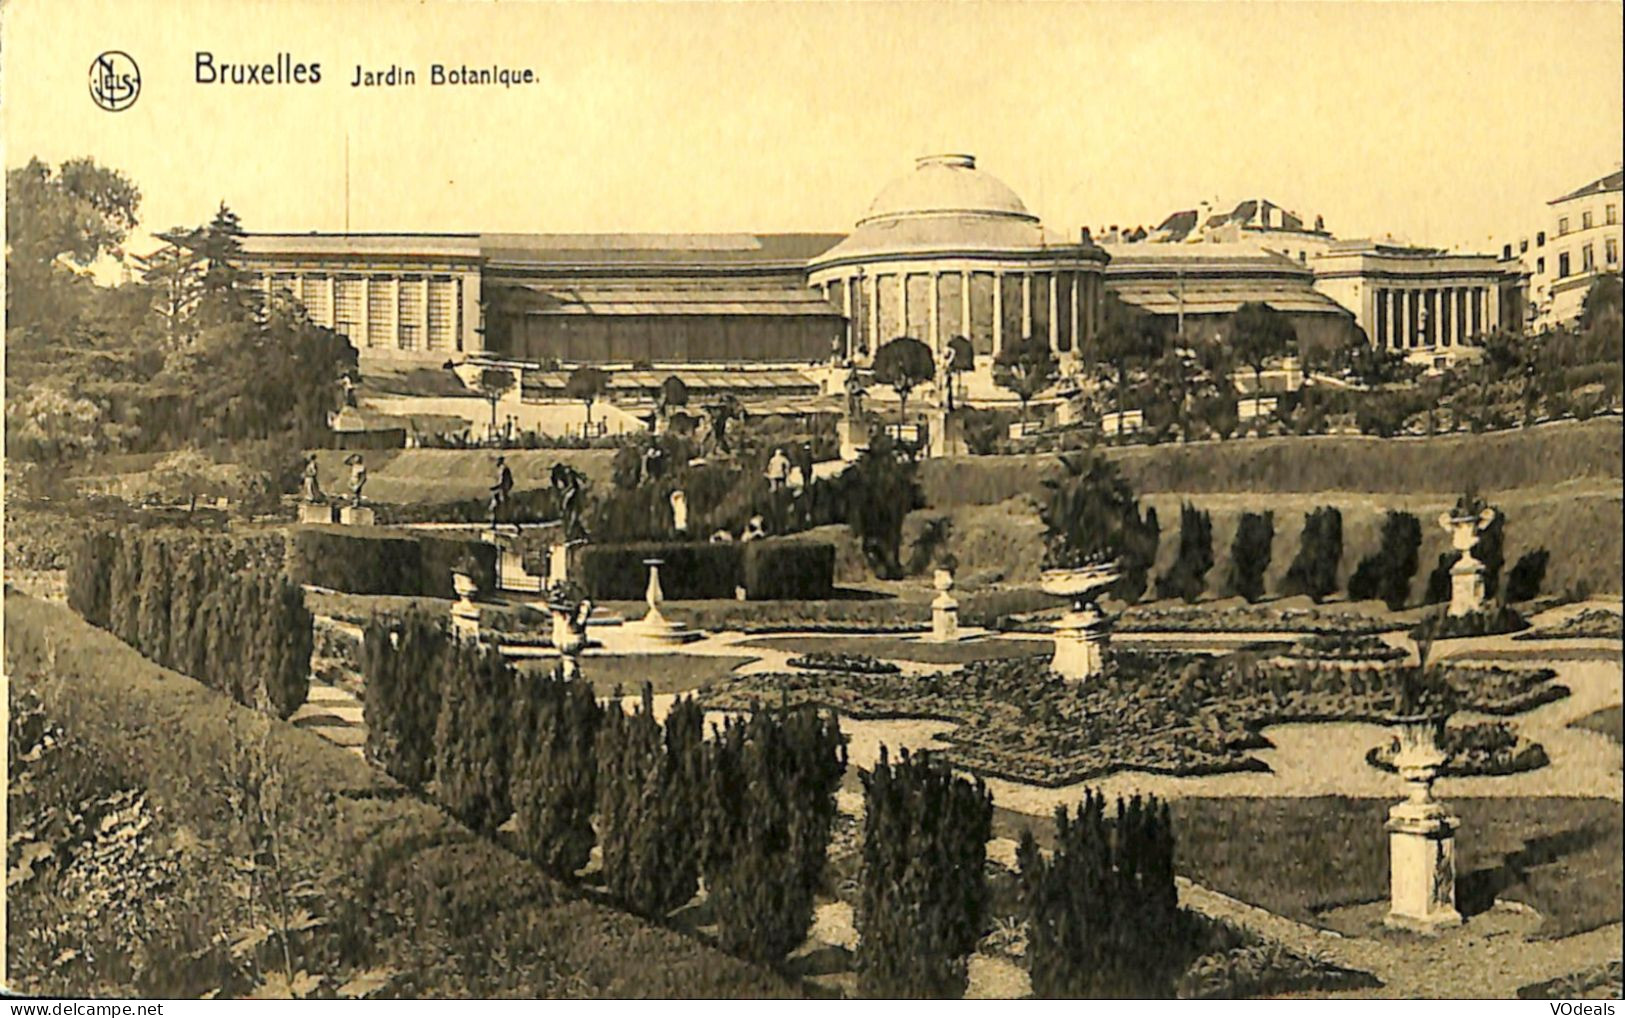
x: 554, y: 785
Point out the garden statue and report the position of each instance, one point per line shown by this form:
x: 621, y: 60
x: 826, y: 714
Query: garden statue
x: 568, y: 484
x: 778, y: 470
x: 1465, y: 523
x: 854, y: 393
x: 358, y: 476
x: 313, y: 484
x: 945, y: 378
x: 679, y: 512
x: 501, y: 490
x: 570, y: 611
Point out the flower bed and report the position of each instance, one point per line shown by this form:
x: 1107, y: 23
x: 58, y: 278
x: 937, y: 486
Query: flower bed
x: 1496, y: 621
x: 1210, y: 619
x: 1344, y: 647
x: 1175, y: 712
x: 1478, y: 750
x: 1238, y: 964
x: 1590, y: 624
x: 861, y: 664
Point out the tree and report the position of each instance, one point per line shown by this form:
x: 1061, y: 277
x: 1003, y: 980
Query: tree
x: 472, y: 737
x: 1129, y: 338
x: 770, y: 804
x: 555, y: 769
x: 1314, y: 569
x: 1187, y: 577
x: 1025, y: 368
x: 964, y: 361
x: 1527, y: 575
x: 586, y: 383
x: 402, y: 660
x: 494, y: 383
x: 70, y: 217
x: 673, y: 394
x: 878, y: 492
x: 1386, y: 573
x: 924, y: 898
x: 1091, y: 515
x: 185, y: 474
x: 1259, y: 334
x: 1250, y: 554
x: 903, y: 364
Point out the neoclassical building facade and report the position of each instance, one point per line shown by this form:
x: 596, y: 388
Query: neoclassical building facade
x: 949, y: 250
x: 1415, y: 300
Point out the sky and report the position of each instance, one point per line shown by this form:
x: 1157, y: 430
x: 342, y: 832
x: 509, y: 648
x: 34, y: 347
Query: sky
x: 1444, y: 123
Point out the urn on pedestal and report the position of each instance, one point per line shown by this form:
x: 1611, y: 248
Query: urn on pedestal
x: 1082, y: 634
x: 1421, y: 830
x: 1467, y: 576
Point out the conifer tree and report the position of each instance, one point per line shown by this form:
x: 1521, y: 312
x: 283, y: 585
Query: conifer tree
x: 925, y: 900
x: 1250, y: 554
x: 1386, y: 573
x: 771, y: 784
x: 555, y: 771
x: 1187, y: 577
x: 1314, y: 569
x: 650, y: 791
x: 471, y: 736
x: 402, y: 662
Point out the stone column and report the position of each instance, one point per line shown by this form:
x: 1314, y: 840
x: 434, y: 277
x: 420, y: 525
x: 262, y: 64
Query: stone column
x: 846, y: 308
x: 964, y: 305
x: 874, y: 314
x: 998, y: 312
x: 1492, y: 301
x: 395, y: 312
x: 332, y: 300
x: 1054, y: 318
x: 902, y: 305
x: 1077, y: 337
x: 423, y: 313
x: 1026, y: 305
x: 365, y: 339
x: 936, y: 325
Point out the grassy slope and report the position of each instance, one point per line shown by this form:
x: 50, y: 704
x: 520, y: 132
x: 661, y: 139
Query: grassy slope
x: 1605, y: 722
x: 419, y: 870
x: 446, y: 475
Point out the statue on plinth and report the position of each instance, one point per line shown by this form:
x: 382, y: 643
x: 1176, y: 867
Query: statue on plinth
x: 358, y: 476
x: 679, y: 512
x: 568, y: 484
x: 312, y: 482
x: 854, y: 393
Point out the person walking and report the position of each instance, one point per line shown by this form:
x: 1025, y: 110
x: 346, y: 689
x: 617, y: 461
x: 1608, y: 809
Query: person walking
x: 500, y: 490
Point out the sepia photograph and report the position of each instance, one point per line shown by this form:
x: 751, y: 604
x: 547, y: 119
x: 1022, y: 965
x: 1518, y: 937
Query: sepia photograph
x: 828, y: 500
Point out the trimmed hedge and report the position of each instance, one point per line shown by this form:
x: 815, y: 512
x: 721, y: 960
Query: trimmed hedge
x: 789, y: 570
x: 218, y: 609
x: 693, y: 571
x: 375, y: 560
x: 471, y: 919
x: 773, y: 569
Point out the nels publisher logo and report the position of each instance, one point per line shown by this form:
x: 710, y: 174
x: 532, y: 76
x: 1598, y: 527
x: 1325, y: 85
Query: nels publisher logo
x: 115, y: 80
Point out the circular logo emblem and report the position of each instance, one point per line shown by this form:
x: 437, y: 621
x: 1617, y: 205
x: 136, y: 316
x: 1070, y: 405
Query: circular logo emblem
x: 115, y: 80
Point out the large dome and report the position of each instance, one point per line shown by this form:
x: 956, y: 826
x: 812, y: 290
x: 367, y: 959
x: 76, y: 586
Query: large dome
x: 946, y: 185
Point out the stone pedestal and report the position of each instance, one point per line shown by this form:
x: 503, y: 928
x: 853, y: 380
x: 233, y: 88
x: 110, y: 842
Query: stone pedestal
x: 558, y: 563
x: 315, y: 512
x: 1081, y: 638
x: 1422, y: 861
x: 356, y: 516
x: 1467, y: 575
x: 655, y: 628
x: 1421, y: 836
x: 1082, y: 634
x: 1466, y: 585
x: 853, y: 437
x: 944, y: 609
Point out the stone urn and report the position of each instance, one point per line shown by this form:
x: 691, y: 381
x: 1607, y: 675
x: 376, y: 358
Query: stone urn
x: 1421, y: 834
x: 465, y: 614
x: 465, y: 586
x: 1467, y: 575
x: 569, y: 635
x: 1081, y: 635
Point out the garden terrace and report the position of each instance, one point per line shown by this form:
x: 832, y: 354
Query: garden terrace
x: 399, y: 880
x: 1160, y: 712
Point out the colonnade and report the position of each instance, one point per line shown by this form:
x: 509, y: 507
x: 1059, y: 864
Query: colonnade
x: 990, y: 306
x: 396, y: 311
x: 1409, y: 317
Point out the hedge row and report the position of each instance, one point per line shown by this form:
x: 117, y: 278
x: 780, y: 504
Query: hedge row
x: 771, y: 569
x: 751, y: 811
x: 217, y: 609
x: 366, y: 560
x: 454, y: 915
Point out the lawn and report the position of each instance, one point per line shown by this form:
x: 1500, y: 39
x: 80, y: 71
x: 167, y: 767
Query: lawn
x: 893, y: 648
x: 1303, y: 856
x: 667, y: 673
x: 1605, y: 721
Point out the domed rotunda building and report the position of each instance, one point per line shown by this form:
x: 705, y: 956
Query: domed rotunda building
x: 950, y: 250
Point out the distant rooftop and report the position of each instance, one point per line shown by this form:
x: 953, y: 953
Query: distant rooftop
x: 1613, y: 182
x: 559, y: 249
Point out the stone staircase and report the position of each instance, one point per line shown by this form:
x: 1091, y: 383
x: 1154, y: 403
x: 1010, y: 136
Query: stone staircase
x: 335, y: 715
